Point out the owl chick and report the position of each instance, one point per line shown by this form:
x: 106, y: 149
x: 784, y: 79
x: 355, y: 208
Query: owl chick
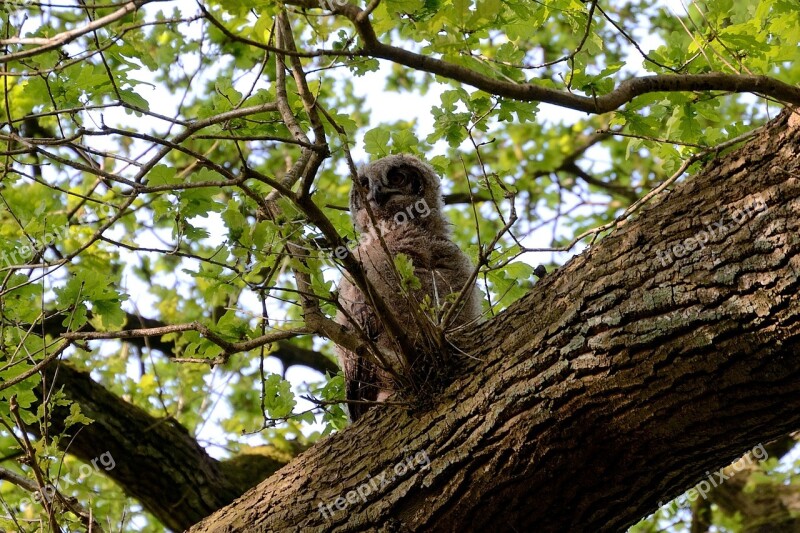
x: 405, y: 199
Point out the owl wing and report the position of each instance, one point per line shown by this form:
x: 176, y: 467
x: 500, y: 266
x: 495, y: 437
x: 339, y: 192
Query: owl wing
x: 361, y: 386
x: 361, y: 375
x: 362, y: 381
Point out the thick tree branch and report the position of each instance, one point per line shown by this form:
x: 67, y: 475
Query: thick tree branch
x: 616, y: 383
x: 156, y: 461
x: 529, y: 92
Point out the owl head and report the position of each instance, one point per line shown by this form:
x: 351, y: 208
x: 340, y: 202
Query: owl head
x: 400, y: 189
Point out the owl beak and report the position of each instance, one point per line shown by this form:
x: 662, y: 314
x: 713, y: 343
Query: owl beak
x: 378, y: 195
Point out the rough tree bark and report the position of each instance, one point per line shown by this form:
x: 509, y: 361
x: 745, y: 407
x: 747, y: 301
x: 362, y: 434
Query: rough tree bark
x: 618, y: 382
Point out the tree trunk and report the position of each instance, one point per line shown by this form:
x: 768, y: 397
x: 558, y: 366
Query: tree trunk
x: 633, y: 372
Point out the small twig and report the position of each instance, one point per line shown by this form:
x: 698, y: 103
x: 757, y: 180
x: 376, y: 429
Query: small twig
x: 36, y: 368
x: 30, y: 459
x: 594, y: 232
x: 60, y: 39
x: 483, y: 259
x: 229, y: 347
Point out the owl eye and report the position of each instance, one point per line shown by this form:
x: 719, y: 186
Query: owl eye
x: 397, y: 177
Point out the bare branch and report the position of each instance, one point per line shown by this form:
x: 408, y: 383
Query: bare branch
x: 529, y: 92
x: 56, y: 41
x: 595, y: 232
x: 229, y: 347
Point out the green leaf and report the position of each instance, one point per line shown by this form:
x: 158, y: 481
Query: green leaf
x: 76, y: 416
x: 278, y: 397
x: 404, y: 141
x: 109, y: 313
x: 235, y: 220
x: 376, y: 141
x: 162, y: 175
x: 130, y: 97
x: 405, y: 268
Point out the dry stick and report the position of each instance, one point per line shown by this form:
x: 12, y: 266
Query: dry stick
x: 229, y: 347
x: 285, y: 111
x: 50, y: 43
x: 30, y: 457
x: 528, y: 92
x: 317, y: 217
x: 315, y: 158
x: 310, y: 105
x: 280, y: 88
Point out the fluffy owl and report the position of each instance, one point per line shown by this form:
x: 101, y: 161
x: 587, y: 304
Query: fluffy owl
x: 405, y: 198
